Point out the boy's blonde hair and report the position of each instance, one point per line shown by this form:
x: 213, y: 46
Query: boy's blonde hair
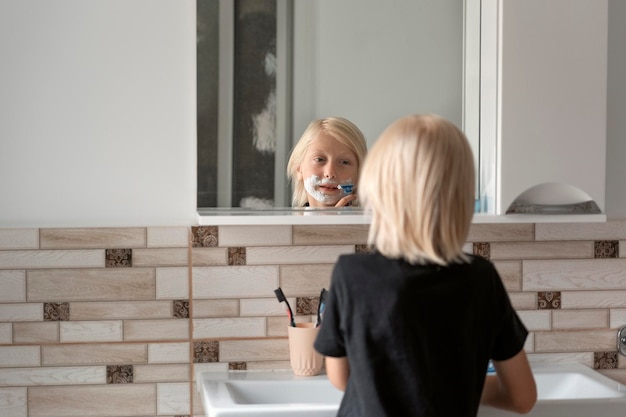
x: 418, y: 181
x: 342, y: 130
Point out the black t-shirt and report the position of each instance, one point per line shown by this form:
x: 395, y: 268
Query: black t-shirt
x: 418, y: 337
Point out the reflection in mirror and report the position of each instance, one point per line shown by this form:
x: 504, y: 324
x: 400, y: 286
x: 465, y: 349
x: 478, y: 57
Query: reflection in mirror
x: 266, y: 68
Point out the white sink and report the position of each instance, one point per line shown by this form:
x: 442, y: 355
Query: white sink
x: 563, y: 390
x: 267, y: 393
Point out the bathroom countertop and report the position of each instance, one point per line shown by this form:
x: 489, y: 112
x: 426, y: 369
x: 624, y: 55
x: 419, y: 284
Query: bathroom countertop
x: 350, y: 216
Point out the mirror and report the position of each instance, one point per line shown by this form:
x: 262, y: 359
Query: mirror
x: 266, y: 68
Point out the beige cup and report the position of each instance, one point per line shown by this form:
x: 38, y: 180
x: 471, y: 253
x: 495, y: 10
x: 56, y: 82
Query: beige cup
x: 305, y: 360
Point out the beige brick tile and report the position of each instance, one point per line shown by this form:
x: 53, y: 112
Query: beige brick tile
x: 120, y: 310
x: 617, y: 318
x: 13, y: 402
x: 94, y: 237
x: 91, y: 331
x: 535, y: 319
x: 172, y: 283
x: 209, y: 256
x: 234, y: 281
x: 162, y: 353
x: 523, y: 300
x: 39, y: 332
x: 64, y: 375
x: 161, y: 257
x: 19, y: 356
x: 575, y: 341
x: 610, y: 230
x: 19, y: 239
x: 254, y: 350
x: 94, y: 354
x: 276, y: 326
x: 21, y: 312
x: 511, y: 274
x: 91, y: 284
x: 156, y: 330
x: 593, y: 299
x: 263, y: 307
x: 30, y: 259
x: 541, y: 250
x: 168, y: 237
x: 305, y: 280
x: 214, y: 328
x: 268, y: 255
x: 6, y: 334
x: 173, y: 398
x: 330, y: 235
x: 209, y: 367
x: 529, y: 344
x: 273, y: 365
x: 580, y: 319
x: 197, y: 408
x: 90, y: 400
x: 586, y: 358
x: 215, y: 308
x: 579, y: 274
x: 13, y: 286
x: 161, y: 373
x: 254, y: 235
x: 618, y: 375
x: 501, y: 232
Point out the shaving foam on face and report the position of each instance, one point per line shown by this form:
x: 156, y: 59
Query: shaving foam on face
x: 310, y: 185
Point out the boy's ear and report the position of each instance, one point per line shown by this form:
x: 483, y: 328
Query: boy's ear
x: 299, y: 173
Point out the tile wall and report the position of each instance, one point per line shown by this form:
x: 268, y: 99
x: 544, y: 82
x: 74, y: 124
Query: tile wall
x: 114, y: 322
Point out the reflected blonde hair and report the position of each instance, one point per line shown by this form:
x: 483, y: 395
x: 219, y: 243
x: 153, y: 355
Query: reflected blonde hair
x: 418, y: 182
x: 342, y: 130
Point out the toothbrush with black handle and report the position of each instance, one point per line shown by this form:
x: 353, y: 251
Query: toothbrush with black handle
x: 282, y: 299
x: 320, y: 307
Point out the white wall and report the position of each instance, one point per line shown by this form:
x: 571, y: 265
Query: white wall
x: 374, y: 61
x: 97, y: 112
x: 616, y: 113
x: 553, y: 97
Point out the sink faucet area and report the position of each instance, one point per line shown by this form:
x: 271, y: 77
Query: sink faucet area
x: 568, y: 389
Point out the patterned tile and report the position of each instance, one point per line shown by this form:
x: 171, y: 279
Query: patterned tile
x: 206, y: 351
x: 204, y: 236
x: 606, y: 249
x: 118, y: 258
x: 363, y: 249
x: 237, y: 256
x: 548, y: 300
x: 306, y: 306
x: 482, y: 249
x: 56, y: 311
x: 181, y: 309
x: 604, y: 360
x: 237, y: 366
x: 119, y: 374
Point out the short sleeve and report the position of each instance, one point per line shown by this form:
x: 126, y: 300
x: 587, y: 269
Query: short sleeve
x: 330, y: 340
x: 510, y: 331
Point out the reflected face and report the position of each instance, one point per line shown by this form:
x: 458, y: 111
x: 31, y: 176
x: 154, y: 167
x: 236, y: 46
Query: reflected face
x: 327, y: 164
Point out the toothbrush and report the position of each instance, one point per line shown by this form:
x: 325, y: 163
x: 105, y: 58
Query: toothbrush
x: 282, y: 299
x: 346, y: 188
x: 320, y: 307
